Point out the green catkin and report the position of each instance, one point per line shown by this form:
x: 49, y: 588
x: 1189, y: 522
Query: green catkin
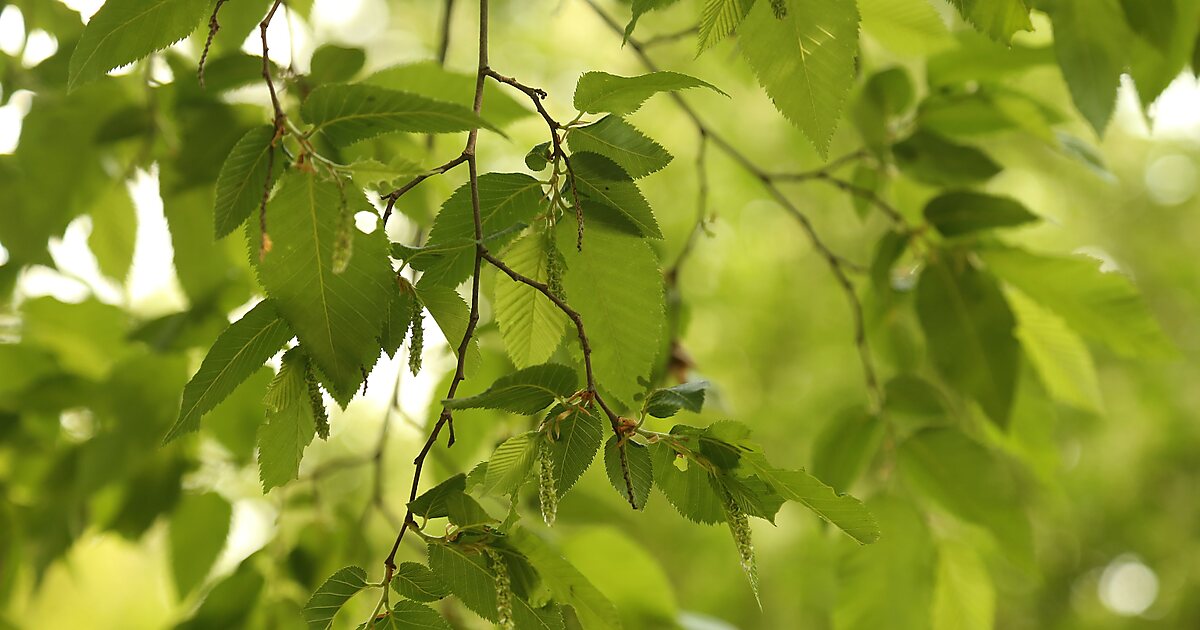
x: 320, y: 417
x: 416, y: 343
x: 503, y: 590
x: 554, y: 270
x: 547, y: 485
x: 739, y: 526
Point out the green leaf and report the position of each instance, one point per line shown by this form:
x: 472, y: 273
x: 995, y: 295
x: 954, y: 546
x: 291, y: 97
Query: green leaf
x: 687, y: 486
x: 845, y: 448
x: 432, y: 503
x: 999, y: 19
x: 840, y: 510
x: 963, y: 597
x: 451, y: 313
x: 526, y: 391
x: 402, y: 309
x: 431, y: 79
x: 380, y: 176
x: 573, y: 439
x: 505, y: 200
x: 963, y: 212
x: 1091, y: 43
x: 290, y: 425
x: 1102, y: 306
x: 1058, y: 354
x: 336, y: 316
x: 332, y: 595
x: 804, y: 59
x: 622, y: 143
x: 969, y: 330
x: 416, y: 582
x: 236, y: 355
x: 930, y: 158
x: 244, y: 177
x: 332, y: 64
x: 463, y: 511
x: 230, y: 602
x: 467, y: 572
x: 719, y: 18
x: 114, y: 231
x: 890, y: 583
x: 509, y: 464
x: 970, y: 482
x: 615, y: 285
x: 599, y: 92
x: 567, y: 585
x: 406, y: 615
x: 123, y: 31
x: 198, y: 529
x: 638, y: 466
x: 638, y: 8
x: 530, y: 324
x: 666, y: 402
x: 349, y: 113
x: 602, y: 180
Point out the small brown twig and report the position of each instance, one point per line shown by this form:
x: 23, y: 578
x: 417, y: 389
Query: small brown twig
x: 213, y: 27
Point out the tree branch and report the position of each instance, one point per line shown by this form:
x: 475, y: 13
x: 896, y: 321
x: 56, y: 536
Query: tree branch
x: 837, y: 265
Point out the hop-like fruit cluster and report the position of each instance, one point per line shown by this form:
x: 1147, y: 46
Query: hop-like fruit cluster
x: 554, y: 269
x: 504, y: 592
x: 739, y: 526
x: 320, y: 417
x: 416, y: 343
x: 547, y: 485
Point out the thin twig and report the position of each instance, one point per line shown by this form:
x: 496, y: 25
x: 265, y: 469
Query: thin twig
x: 837, y: 265
x: 279, y: 121
x: 445, y: 419
x: 537, y: 95
x: 399, y: 192
x: 213, y: 26
x: 668, y: 38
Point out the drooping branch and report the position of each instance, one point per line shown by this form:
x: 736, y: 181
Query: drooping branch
x: 445, y: 419
x: 838, y: 266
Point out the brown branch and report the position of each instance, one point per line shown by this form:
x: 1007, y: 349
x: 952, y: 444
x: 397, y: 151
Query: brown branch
x: 672, y: 273
x: 279, y: 122
x: 537, y: 95
x: 668, y: 38
x: 213, y: 26
x: 399, y: 192
x: 445, y: 419
x: 837, y: 265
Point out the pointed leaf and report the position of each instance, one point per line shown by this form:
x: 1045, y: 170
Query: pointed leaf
x: 962, y: 212
x: 841, y: 510
x: 1057, y: 353
x: 637, y: 465
x: 336, y: 316
x: 664, y: 403
x: 567, y: 585
x: 505, y: 200
x: 406, y: 615
x: 803, y: 54
x: 969, y: 330
x: 123, y: 31
x: 290, y: 425
x: 467, y: 572
x: 1102, y: 306
x: 349, y: 113
x: 432, y: 503
x: 332, y: 595
x: 599, y: 92
x: 719, y: 18
x: 244, y: 346
x: 622, y: 143
x: 687, y: 486
x: 198, y: 530
x: 615, y: 284
x: 602, y: 180
x: 244, y: 177
x: 530, y: 324
x: 999, y: 19
x: 526, y: 391
x: 930, y: 158
x: 574, y: 441
x: 1090, y: 41
x: 509, y: 464
x: 416, y: 582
